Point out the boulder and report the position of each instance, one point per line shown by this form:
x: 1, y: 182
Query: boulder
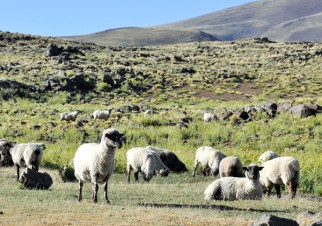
x: 35, y: 180
x: 53, y: 50
x: 271, y: 220
x: 301, y: 110
x: 284, y: 107
x: 309, y: 218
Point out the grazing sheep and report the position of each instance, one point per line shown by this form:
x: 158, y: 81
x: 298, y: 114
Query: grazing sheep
x: 170, y: 159
x: 27, y: 155
x: 267, y: 155
x: 94, y: 162
x: 69, y: 116
x: 231, y: 167
x: 102, y: 114
x: 146, y: 161
x: 209, y: 159
x: 5, y: 157
x: 148, y: 112
x: 281, y: 171
x: 235, y: 188
x: 208, y: 117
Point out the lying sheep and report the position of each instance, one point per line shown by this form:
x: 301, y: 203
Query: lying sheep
x: 235, y: 188
x: 170, y: 160
x: 267, y: 155
x: 94, y: 162
x: 27, y: 155
x: 102, y: 114
x: 230, y: 167
x: 281, y: 171
x: 209, y: 159
x: 69, y: 116
x: 208, y: 117
x: 146, y: 161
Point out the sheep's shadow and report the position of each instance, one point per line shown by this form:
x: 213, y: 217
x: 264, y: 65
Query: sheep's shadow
x: 206, y: 206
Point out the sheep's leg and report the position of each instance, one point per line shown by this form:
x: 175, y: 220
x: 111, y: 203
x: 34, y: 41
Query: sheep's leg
x: 204, y: 171
x: 128, y: 173
x: 291, y: 189
x: 18, y: 171
x: 95, y: 190
x: 195, y: 169
x: 80, y: 194
x: 106, y: 192
x: 136, y: 176
x: 278, y: 190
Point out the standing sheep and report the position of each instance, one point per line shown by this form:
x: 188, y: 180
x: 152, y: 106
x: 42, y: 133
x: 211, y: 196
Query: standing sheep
x: 231, y: 167
x: 94, y: 162
x: 5, y: 157
x: 235, y: 188
x: 208, y: 117
x: 281, y: 171
x: 145, y: 161
x: 209, y: 159
x: 27, y: 155
x: 267, y: 155
x: 69, y: 116
x: 170, y: 159
x: 102, y: 114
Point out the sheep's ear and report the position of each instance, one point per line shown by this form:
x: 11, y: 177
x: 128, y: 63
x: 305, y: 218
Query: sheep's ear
x: 260, y: 168
x: 10, y: 144
x: 245, y: 168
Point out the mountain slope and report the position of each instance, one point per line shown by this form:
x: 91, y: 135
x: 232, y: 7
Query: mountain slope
x: 306, y: 28
x: 134, y: 36
x: 249, y: 20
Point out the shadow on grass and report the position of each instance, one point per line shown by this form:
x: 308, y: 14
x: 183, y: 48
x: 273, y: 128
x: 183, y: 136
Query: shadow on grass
x: 204, y: 206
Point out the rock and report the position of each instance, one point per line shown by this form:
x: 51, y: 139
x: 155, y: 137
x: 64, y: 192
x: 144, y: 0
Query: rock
x: 301, y: 110
x: 309, y: 218
x: 271, y: 220
x: 242, y: 115
x: 108, y: 79
x: 269, y: 107
x: 284, y: 107
x: 53, y: 50
x: 225, y: 115
x: 35, y: 180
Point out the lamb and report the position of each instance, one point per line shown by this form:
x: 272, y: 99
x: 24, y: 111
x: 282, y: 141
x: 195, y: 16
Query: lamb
x: 146, y: 161
x: 169, y: 159
x: 27, y: 155
x: 268, y: 155
x: 230, y: 167
x: 102, y: 114
x: 94, y: 162
x: 279, y: 171
x: 209, y: 159
x: 69, y: 116
x: 208, y: 117
x: 235, y: 188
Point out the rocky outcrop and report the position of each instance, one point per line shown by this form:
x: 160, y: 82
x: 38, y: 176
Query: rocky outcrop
x: 309, y: 218
x: 271, y: 220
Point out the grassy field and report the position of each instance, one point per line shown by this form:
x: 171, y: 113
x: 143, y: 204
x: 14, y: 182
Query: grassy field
x: 175, y: 200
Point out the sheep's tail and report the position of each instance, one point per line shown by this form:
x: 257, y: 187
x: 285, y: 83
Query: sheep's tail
x: 37, y: 152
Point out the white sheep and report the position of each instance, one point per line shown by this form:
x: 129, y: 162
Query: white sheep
x: 231, y: 167
x: 208, y: 117
x: 69, y: 116
x: 267, y: 155
x: 281, y: 171
x: 94, y: 162
x: 102, y: 114
x: 148, y: 112
x: 27, y: 155
x: 209, y: 159
x: 146, y: 161
x: 236, y: 188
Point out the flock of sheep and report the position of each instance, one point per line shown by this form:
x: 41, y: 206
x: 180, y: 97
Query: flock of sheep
x: 94, y: 162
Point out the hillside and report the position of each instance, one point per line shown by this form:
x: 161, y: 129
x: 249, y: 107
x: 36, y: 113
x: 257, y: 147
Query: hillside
x: 240, y: 22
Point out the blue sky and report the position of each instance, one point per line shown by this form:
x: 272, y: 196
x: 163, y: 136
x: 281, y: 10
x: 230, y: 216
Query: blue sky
x: 77, y: 17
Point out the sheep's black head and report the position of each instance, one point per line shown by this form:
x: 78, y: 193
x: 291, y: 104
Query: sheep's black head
x: 5, y: 147
x: 164, y: 172
x: 252, y: 171
x: 111, y: 137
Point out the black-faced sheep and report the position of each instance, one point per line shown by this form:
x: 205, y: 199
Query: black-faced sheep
x: 102, y: 114
x: 231, y: 167
x: 267, y: 155
x: 69, y: 116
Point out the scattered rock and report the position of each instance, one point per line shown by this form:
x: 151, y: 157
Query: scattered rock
x: 309, y: 218
x: 271, y: 220
x: 301, y: 110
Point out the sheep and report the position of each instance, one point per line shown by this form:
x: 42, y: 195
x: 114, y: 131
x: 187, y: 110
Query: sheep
x: 148, y: 112
x: 268, y: 155
x: 208, y: 117
x: 146, y: 161
x: 235, y: 188
x: 169, y: 159
x: 230, y: 167
x: 102, y: 114
x: 94, y: 162
x: 69, y: 116
x: 281, y: 171
x: 209, y: 159
x: 27, y: 155
x: 5, y: 157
